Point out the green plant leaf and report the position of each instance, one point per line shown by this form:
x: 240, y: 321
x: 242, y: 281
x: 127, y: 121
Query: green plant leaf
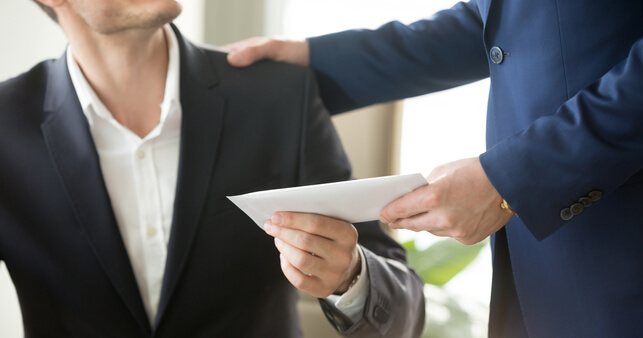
x: 409, y: 246
x: 441, y: 261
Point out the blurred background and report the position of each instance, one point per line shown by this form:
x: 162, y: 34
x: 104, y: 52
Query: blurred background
x: 409, y: 136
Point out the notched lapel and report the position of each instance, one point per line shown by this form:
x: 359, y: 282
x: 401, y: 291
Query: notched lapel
x: 484, y: 5
x: 203, y: 112
x: 73, y: 153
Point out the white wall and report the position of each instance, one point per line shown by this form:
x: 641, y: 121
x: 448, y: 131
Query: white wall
x: 27, y: 36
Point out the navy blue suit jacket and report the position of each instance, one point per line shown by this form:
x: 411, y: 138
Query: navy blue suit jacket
x: 242, y: 130
x: 564, y: 144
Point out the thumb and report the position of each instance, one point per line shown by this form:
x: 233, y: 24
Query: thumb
x: 239, y: 58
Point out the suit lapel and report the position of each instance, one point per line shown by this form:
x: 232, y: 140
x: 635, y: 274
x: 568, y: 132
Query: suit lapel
x: 484, y: 6
x: 201, y: 127
x: 73, y: 153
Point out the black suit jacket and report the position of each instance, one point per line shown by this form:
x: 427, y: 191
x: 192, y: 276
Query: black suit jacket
x: 243, y: 130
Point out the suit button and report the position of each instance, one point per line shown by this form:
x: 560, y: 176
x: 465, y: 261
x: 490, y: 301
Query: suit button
x: 380, y: 315
x: 585, y: 201
x: 497, y: 55
x: 595, y: 195
x: 566, y: 214
x: 576, y: 208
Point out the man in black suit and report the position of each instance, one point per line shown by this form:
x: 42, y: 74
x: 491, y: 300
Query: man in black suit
x: 116, y: 160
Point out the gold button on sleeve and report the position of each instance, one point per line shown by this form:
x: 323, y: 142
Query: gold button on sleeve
x: 505, y: 206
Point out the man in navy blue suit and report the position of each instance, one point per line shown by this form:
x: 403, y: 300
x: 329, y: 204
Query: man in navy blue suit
x: 564, y: 148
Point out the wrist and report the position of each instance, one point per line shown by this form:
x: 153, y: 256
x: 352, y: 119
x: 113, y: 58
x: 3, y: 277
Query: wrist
x: 353, y: 276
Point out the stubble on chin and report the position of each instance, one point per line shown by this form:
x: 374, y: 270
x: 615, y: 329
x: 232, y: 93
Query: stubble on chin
x: 137, y: 20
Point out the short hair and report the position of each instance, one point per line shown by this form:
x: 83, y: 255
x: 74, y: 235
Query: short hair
x: 48, y: 10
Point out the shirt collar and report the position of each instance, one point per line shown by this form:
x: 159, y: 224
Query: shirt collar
x: 91, y: 104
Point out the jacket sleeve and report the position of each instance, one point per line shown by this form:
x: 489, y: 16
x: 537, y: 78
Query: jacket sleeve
x: 395, y: 304
x: 357, y: 68
x: 592, y: 143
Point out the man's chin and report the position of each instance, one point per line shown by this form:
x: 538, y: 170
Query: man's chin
x: 143, y: 21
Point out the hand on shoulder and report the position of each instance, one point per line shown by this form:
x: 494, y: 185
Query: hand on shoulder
x: 246, y: 52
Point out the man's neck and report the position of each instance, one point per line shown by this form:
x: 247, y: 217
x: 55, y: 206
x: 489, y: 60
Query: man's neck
x: 127, y: 71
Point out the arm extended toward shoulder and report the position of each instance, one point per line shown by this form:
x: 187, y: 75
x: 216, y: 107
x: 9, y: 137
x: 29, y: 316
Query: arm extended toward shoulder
x: 357, y: 68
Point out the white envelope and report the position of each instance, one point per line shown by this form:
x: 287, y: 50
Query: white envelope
x: 352, y: 201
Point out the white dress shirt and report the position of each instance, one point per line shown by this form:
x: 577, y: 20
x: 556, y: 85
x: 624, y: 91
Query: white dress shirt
x: 140, y: 176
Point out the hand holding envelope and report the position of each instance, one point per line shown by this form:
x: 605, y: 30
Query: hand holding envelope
x: 319, y: 254
x: 312, y: 226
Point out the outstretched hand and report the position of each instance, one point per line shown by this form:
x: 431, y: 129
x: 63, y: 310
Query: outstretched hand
x: 459, y: 202
x: 319, y: 255
x: 246, y: 52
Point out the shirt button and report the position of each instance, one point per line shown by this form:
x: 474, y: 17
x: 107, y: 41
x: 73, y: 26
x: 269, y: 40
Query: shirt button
x: 151, y: 232
x: 348, y: 302
x: 140, y: 154
x: 497, y: 55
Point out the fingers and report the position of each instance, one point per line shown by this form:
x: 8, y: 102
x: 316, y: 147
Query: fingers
x: 319, y: 254
x: 303, y: 241
x: 302, y: 281
x: 437, y: 223
x: 418, y: 201
x: 247, y: 52
x: 330, y: 228
x: 302, y: 260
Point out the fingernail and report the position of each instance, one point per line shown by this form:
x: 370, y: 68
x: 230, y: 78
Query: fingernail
x: 277, y: 241
x: 383, y: 220
x: 276, y: 219
x: 268, y: 227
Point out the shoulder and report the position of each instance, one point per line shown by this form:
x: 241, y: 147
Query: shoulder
x: 25, y: 91
x: 264, y: 73
x: 25, y: 80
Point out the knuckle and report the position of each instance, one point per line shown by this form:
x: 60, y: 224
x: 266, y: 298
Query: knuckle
x: 398, y: 210
x: 439, y: 170
x: 299, y: 282
x: 344, y: 258
x: 349, y: 234
x: 304, y: 241
x: 430, y: 198
x: 317, y: 221
x: 443, y: 221
x: 467, y: 241
x: 315, y: 224
x: 247, y: 54
x: 352, y: 233
x: 459, y: 234
x: 286, y: 218
x: 299, y: 261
